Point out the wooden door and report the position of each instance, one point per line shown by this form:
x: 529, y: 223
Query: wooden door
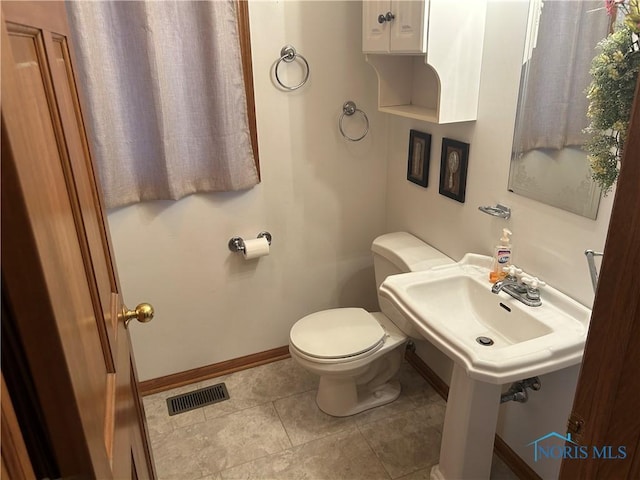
x: 605, y: 409
x: 58, y: 273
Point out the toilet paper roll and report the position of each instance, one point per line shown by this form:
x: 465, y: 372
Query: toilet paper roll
x: 256, y: 247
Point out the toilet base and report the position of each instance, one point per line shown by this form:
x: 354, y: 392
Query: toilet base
x: 342, y: 398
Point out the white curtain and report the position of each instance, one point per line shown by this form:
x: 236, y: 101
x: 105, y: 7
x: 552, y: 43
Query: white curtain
x: 167, y: 110
x: 553, y: 103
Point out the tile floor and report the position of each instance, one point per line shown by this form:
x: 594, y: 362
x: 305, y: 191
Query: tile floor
x: 271, y: 428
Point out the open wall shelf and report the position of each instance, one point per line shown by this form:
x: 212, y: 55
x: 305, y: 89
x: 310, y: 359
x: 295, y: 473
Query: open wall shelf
x: 443, y: 84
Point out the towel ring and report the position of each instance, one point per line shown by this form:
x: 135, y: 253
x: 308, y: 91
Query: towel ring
x: 288, y: 54
x: 349, y: 108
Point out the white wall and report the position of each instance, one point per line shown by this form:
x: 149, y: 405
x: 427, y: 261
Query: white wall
x: 321, y: 197
x: 324, y: 200
x: 547, y: 242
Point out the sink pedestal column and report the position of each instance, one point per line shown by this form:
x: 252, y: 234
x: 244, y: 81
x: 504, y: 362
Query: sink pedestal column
x: 469, y: 429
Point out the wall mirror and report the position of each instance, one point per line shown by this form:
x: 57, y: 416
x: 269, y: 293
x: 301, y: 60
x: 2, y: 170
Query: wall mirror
x: 547, y: 160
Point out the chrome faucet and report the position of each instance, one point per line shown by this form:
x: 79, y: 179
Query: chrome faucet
x: 505, y: 282
x: 520, y: 286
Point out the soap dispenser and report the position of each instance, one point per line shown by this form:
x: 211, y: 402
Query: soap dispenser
x: 501, y: 257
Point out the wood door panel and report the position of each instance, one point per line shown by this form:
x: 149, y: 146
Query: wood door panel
x: 51, y: 207
x: 43, y: 186
x: 606, y: 399
x: 87, y: 208
x: 79, y: 156
x: 57, y: 267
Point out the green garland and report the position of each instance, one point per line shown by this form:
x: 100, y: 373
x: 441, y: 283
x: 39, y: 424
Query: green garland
x: 614, y: 72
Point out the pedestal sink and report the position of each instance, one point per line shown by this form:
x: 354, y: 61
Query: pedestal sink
x: 453, y: 307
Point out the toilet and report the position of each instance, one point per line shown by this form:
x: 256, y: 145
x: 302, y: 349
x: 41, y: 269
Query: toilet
x: 356, y: 353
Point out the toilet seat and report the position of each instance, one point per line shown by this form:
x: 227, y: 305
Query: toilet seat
x: 337, y: 333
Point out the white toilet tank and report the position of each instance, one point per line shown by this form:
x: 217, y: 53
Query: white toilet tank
x: 401, y: 252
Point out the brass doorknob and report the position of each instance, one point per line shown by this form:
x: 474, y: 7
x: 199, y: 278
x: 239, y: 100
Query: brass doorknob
x: 143, y: 313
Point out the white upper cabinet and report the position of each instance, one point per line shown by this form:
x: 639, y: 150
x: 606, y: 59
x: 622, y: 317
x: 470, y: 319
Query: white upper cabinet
x: 427, y: 55
x: 394, y: 26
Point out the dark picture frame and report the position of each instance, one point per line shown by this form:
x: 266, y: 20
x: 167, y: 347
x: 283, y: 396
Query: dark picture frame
x: 419, y: 156
x: 454, y: 163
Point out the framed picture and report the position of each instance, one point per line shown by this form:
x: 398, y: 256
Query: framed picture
x: 419, y: 154
x: 453, y: 169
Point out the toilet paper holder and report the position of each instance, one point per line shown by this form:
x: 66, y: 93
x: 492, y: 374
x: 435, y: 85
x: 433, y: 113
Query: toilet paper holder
x: 236, y: 244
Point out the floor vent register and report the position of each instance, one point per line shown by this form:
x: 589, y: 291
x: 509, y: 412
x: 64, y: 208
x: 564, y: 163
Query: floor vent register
x: 198, y: 398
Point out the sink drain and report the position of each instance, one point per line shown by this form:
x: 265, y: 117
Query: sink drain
x: 484, y: 341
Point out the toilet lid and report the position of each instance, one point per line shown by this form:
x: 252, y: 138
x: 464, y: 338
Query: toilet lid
x: 337, y: 333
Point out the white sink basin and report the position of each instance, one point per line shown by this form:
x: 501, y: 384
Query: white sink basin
x: 452, y: 305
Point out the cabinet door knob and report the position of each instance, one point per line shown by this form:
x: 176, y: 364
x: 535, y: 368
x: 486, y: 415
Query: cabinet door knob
x: 386, y: 18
